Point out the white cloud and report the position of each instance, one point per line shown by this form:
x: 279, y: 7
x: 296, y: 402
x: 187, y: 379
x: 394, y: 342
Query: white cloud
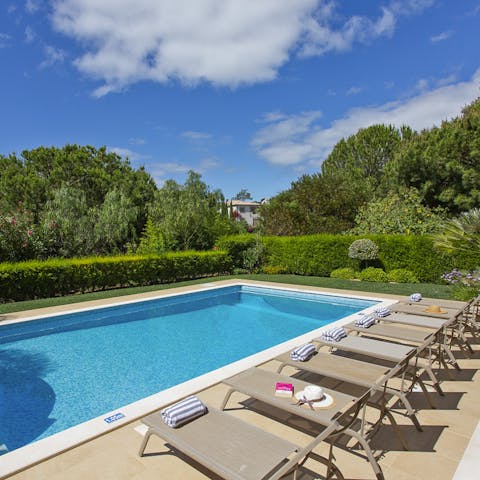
x: 32, y: 6
x: 30, y: 34
x: 137, y: 141
x: 354, y: 90
x: 52, y: 55
x: 284, y: 143
x: 441, y: 36
x: 223, y: 42
x: 4, y: 40
x: 196, y: 136
x: 127, y: 153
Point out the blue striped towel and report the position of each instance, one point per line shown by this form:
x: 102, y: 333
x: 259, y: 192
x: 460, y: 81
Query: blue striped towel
x: 303, y: 353
x: 382, y: 311
x: 334, y: 334
x: 182, y: 412
x: 416, y: 297
x: 365, y: 321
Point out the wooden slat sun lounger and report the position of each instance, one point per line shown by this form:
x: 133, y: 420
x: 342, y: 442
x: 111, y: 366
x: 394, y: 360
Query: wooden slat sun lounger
x: 232, y: 448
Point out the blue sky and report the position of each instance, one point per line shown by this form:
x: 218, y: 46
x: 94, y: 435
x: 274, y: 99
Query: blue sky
x: 250, y: 93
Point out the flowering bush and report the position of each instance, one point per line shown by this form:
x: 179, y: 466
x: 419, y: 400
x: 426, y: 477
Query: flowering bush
x: 19, y: 239
x: 467, y: 283
x: 363, y: 249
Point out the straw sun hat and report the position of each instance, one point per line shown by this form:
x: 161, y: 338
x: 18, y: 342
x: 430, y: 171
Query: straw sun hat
x: 435, y: 309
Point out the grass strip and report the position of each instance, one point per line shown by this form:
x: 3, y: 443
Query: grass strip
x: 426, y: 289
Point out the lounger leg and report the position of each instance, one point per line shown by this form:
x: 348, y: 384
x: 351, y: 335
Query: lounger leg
x: 397, y: 429
x: 434, y: 380
x: 145, y: 440
x: 449, y: 354
x: 281, y: 367
x: 368, y: 451
x: 426, y: 393
x: 227, y: 398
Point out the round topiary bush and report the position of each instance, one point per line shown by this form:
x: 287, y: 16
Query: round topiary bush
x: 372, y: 274
x: 364, y: 250
x: 346, y: 273
x: 402, y: 275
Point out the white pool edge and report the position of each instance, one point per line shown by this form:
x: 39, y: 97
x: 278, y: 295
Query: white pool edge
x: 31, y: 454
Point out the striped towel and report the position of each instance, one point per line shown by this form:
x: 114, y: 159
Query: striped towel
x: 303, y: 353
x: 182, y: 412
x: 416, y: 297
x: 381, y: 311
x: 365, y: 321
x: 334, y: 334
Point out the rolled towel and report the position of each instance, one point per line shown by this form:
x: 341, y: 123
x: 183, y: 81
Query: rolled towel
x: 334, y: 334
x: 381, y: 311
x: 303, y: 353
x: 182, y: 412
x: 365, y: 321
x: 416, y: 297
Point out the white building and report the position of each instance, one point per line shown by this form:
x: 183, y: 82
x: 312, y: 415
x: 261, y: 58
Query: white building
x: 244, y: 210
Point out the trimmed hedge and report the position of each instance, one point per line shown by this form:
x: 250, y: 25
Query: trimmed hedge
x: 40, y: 279
x: 320, y: 254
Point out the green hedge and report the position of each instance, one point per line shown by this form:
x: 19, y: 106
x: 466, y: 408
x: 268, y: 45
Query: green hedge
x: 319, y: 255
x: 40, y: 279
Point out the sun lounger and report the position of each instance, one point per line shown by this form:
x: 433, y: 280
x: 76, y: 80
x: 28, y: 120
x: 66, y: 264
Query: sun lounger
x: 456, y: 325
x: 232, y: 448
x: 446, y: 313
x: 392, y: 352
x: 259, y: 384
x: 356, y: 372
x: 431, y: 337
x: 427, y: 302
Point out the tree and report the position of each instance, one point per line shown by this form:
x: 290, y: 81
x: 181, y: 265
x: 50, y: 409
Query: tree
x: 114, y: 223
x: 398, y: 213
x: 461, y: 233
x: 243, y: 195
x: 184, y: 217
x: 442, y: 163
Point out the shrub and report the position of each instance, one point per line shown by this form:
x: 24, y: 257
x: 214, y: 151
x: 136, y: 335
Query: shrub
x: 236, y: 245
x: 274, y: 269
x: 346, y: 273
x: 37, y: 279
x: 372, y: 274
x: 253, y: 256
x: 320, y: 254
x: 402, y: 275
x: 363, y: 249
x: 310, y: 254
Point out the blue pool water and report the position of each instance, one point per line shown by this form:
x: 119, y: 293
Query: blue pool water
x: 60, y: 371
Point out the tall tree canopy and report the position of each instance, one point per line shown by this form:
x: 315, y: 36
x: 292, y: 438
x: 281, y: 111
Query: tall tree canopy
x: 378, y: 163
x: 79, y: 200
x: 184, y: 217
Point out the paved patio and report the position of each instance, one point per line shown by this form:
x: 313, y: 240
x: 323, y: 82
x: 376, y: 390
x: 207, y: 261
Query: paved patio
x: 434, y: 453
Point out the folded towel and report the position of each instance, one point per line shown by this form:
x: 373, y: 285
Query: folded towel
x: 334, y: 334
x: 381, y: 311
x: 303, y: 353
x: 365, y: 321
x: 183, y: 411
x: 416, y: 297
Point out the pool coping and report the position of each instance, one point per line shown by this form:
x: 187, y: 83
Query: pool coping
x: 31, y: 454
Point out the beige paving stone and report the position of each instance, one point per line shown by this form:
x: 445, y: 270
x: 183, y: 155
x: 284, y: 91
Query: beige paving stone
x: 434, y: 453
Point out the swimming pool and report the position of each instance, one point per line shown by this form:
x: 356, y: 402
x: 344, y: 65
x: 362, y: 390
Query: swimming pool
x: 60, y: 371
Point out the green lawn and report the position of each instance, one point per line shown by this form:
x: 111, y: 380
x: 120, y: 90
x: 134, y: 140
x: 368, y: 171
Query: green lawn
x: 427, y: 289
